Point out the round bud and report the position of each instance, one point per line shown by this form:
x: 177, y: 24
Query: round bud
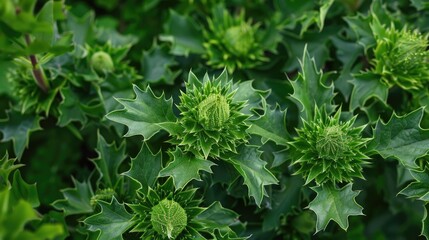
x: 168, y: 218
x: 239, y: 39
x: 102, y: 62
x: 213, y: 112
x: 331, y: 143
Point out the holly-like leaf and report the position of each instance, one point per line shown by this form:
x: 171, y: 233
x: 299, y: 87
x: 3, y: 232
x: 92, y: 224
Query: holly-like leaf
x: 70, y: 109
x: 7, y: 166
x: 283, y: 202
x: 22, y: 190
x: 218, y: 217
x: 145, y: 168
x: 366, y: 86
x: 156, y: 65
x: 402, y: 138
x: 334, y: 204
x: 185, y: 167
x: 18, y: 127
x: 184, y: 35
x: 145, y: 115
x: 418, y: 189
x: 246, y: 93
x: 76, y: 200
x: 250, y: 166
x: 309, y: 89
x: 271, y: 125
x: 109, y: 159
x: 111, y: 222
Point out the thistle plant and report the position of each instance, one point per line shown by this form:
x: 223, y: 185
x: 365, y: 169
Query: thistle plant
x: 164, y: 213
x: 401, y: 57
x: 328, y: 150
x: 212, y: 122
x: 232, y: 41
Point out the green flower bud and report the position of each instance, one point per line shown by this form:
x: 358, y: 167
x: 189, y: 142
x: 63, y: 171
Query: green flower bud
x: 102, y: 62
x: 328, y: 150
x: 239, y: 39
x: 213, y: 111
x: 168, y: 218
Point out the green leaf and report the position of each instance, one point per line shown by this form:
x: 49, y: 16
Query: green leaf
x: 6, y: 167
x: 402, y: 138
x: 111, y: 222
x: 145, y: 168
x: 283, y: 202
x: 325, y: 5
x: 271, y: 126
x: 218, y: 217
x: 420, y: 5
x: 22, y: 190
x: 334, y: 204
x: 184, y: 35
x: 418, y: 189
x: 425, y: 223
x: 250, y: 166
x: 76, y: 200
x: 156, y: 65
x: 366, y: 86
x: 18, y: 127
x: 46, y: 15
x: 185, y: 167
x: 145, y: 115
x: 70, y: 108
x: 109, y: 159
x: 246, y: 93
x: 309, y: 89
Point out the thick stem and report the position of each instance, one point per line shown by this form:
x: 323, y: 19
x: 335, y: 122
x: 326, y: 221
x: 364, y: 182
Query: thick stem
x: 38, y: 75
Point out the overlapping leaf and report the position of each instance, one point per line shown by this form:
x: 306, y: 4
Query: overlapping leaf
x: 145, y: 115
x: 402, y: 138
x: 334, y: 204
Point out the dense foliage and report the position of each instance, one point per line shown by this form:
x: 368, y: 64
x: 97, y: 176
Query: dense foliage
x: 279, y: 119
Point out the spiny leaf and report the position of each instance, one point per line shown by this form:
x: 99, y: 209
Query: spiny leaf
x: 111, y: 222
x: 309, y: 89
x: 271, y: 125
x: 7, y: 166
x: 145, y: 167
x: 218, y: 217
x: 145, y: 115
x: 334, y: 204
x: 109, y: 159
x: 246, y: 93
x: 70, y: 108
x: 22, y: 190
x: 248, y: 163
x: 402, y: 138
x: 185, y: 167
x: 18, y: 127
x: 76, y: 200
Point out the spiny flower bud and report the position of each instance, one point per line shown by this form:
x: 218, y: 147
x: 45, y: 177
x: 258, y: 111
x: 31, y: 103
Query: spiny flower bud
x: 329, y: 150
x: 213, y: 111
x: 102, y: 62
x: 168, y: 218
x: 239, y: 39
x: 401, y: 57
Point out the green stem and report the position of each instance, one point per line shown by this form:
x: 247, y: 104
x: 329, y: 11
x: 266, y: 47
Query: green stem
x: 38, y: 75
